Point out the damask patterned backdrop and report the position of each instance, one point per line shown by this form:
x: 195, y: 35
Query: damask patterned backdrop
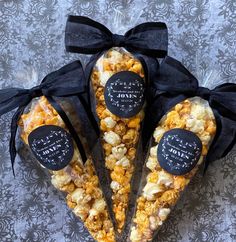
x: 202, y: 34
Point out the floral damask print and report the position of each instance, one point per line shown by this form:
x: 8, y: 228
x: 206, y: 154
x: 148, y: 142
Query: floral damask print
x: 74, y: 230
x: 229, y: 194
x: 6, y: 67
x: 228, y: 9
x: 36, y: 233
x: 10, y: 8
x: 189, y: 42
x: 35, y: 207
x: 201, y: 35
x: 42, y: 11
x: 6, y: 194
x: 4, y: 34
x: 33, y: 177
x: 194, y: 11
x: 158, y: 10
x: 228, y: 63
x: 85, y: 7
x: 39, y: 41
x: 227, y: 33
x: 229, y: 167
x: 203, y: 232
x: 6, y: 228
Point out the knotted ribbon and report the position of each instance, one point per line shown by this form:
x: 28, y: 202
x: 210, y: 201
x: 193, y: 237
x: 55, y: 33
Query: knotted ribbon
x: 65, y: 82
x: 84, y: 35
x: 172, y: 84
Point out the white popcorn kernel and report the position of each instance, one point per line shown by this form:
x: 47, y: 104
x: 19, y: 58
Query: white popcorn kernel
x: 151, y: 163
x: 112, y: 138
x: 153, y: 151
x: 150, y: 190
x: 164, y: 178
x: 135, y: 236
x: 198, y: 111
x: 86, y: 199
x: 116, y: 56
x: 194, y: 125
x: 158, y: 133
x: 115, y: 185
x: 209, y: 112
x: 119, y: 151
x: 123, y: 162
x: 163, y: 213
x: 110, y: 157
x: 81, y: 211
x: 154, y: 222
x: 109, y: 122
x: 104, y: 76
x: 99, y: 205
x: 77, y: 195
x: 60, y: 180
x: 93, y: 212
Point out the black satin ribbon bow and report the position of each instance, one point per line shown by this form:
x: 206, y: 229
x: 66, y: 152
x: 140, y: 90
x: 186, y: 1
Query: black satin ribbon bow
x: 65, y: 82
x: 172, y: 84
x: 84, y: 35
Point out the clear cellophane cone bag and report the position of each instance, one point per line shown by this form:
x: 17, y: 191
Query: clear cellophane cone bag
x: 77, y: 180
x: 119, y: 136
x: 159, y: 189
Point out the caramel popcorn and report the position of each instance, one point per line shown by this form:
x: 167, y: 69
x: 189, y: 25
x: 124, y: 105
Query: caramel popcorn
x: 162, y: 189
x: 120, y: 135
x: 79, y: 181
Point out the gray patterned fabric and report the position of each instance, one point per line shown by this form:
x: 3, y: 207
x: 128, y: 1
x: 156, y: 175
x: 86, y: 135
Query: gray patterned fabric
x: 202, y: 34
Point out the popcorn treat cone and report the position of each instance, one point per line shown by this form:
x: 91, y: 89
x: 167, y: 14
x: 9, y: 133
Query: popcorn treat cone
x: 120, y: 115
x: 190, y: 124
x: 79, y: 181
x: 179, y: 145
x: 118, y: 84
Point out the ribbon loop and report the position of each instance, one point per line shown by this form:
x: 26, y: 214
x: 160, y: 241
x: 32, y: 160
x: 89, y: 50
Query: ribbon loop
x: 84, y: 35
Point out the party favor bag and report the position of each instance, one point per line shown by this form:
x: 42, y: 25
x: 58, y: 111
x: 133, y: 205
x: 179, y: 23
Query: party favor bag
x: 198, y: 126
x: 118, y: 79
x: 53, y: 132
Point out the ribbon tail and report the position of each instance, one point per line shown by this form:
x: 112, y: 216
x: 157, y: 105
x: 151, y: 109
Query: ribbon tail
x: 70, y: 127
x: 89, y: 114
x: 206, y: 164
x: 12, y: 143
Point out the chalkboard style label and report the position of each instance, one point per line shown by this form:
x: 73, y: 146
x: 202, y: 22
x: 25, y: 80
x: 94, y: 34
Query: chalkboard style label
x: 124, y: 94
x: 179, y: 151
x: 52, y: 146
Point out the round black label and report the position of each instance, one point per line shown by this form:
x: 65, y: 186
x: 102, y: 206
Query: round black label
x: 124, y: 94
x: 179, y: 151
x: 52, y: 146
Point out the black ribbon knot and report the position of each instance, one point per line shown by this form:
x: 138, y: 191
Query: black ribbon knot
x: 35, y: 92
x: 118, y: 40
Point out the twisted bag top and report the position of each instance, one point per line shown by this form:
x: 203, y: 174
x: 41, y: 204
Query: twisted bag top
x: 84, y: 35
x: 172, y: 84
